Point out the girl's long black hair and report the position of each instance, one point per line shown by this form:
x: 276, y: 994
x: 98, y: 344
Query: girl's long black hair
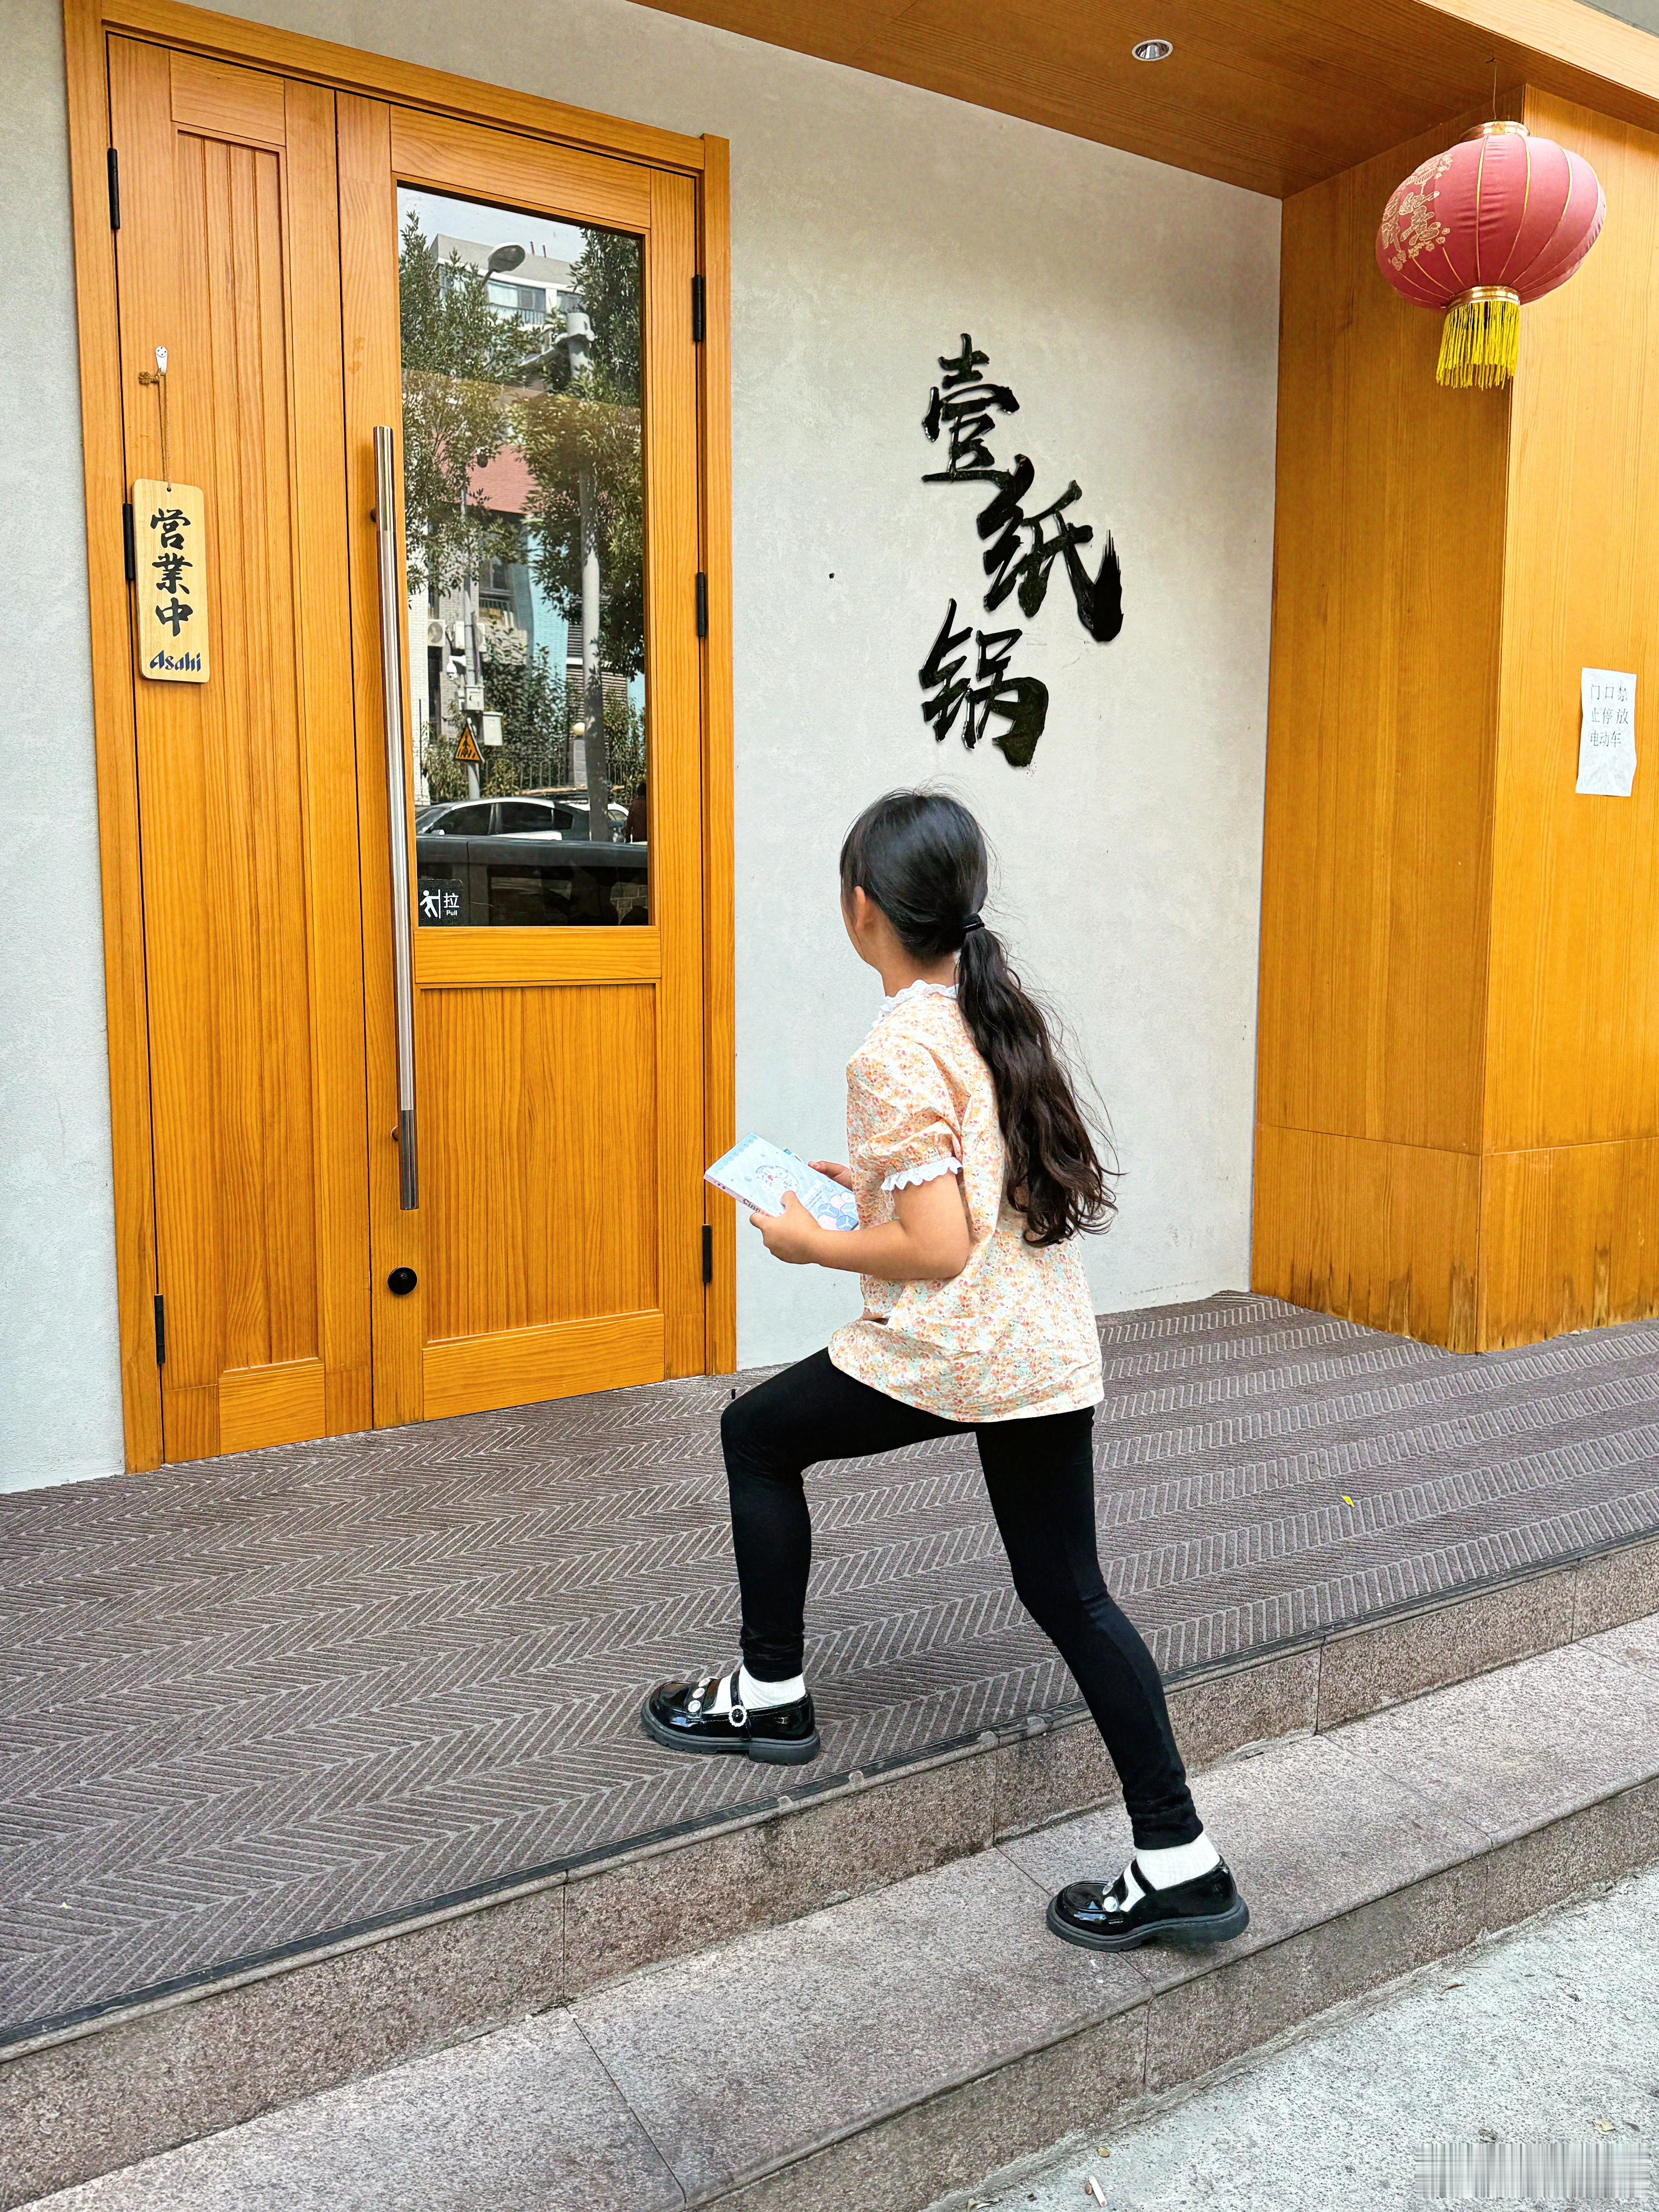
x: 921, y: 857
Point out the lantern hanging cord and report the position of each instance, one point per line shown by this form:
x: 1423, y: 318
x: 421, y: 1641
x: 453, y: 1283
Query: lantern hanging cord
x: 1480, y: 341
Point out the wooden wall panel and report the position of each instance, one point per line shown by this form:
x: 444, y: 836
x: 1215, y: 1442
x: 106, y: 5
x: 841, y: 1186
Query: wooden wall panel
x: 1459, y: 954
x: 521, y: 1366
x: 1568, y: 1240
x: 1574, y: 1038
x: 245, y: 105
x: 1570, y: 1195
x: 539, y: 1194
x: 284, y: 1404
x: 1388, y: 566
x: 1385, y: 1235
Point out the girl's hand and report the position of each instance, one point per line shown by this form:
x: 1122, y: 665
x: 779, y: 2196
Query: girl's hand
x: 792, y: 1236
x: 835, y: 1170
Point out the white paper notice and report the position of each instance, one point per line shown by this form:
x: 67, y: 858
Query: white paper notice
x: 1607, y: 742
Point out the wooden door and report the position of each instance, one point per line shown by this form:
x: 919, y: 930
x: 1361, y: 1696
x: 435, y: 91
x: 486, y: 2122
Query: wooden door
x: 547, y: 490
x: 227, y: 258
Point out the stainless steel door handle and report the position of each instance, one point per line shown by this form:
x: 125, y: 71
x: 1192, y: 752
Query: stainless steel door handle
x: 392, y: 687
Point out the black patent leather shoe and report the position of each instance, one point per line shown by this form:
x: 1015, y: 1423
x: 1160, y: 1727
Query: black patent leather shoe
x: 682, y: 1716
x: 1208, y: 1909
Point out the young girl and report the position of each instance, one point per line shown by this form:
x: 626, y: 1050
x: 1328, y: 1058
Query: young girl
x: 973, y: 1169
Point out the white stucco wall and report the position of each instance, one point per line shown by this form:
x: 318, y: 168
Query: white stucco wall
x: 60, y: 1385
x: 1133, y: 308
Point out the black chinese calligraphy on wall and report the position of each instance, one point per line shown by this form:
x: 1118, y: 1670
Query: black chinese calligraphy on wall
x: 170, y: 584
x: 1023, y: 543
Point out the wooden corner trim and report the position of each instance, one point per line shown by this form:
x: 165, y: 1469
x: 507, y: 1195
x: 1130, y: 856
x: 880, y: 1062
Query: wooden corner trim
x: 720, y: 985
x: 126, y: 1012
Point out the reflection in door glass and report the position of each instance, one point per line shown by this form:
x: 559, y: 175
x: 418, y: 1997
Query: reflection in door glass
x: 524, y: 532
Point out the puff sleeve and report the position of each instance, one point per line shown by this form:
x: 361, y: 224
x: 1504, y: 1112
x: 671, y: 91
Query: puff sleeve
x: 904, y: 1120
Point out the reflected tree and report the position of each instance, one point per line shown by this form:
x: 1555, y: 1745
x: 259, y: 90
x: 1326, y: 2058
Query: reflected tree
x: 463, y: 367
x: 590, y: 419
x: 476, y: 384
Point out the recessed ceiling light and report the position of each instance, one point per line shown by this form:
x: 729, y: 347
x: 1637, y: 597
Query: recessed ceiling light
x: 1153, y: 50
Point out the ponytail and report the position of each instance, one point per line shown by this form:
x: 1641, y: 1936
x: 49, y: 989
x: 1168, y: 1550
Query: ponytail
x: 921, y: 857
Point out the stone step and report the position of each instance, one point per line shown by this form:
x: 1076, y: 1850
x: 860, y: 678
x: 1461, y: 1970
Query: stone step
x: 124, y: 2085
x: 881, y: 2052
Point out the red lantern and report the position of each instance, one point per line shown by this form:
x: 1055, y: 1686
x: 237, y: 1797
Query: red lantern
x: 1500, y: 219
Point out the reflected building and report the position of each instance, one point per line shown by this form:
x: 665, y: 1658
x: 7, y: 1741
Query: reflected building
x: 500, y: 610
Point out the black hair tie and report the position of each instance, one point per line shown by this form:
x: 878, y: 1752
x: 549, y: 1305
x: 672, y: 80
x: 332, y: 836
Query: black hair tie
x: 974, y: 921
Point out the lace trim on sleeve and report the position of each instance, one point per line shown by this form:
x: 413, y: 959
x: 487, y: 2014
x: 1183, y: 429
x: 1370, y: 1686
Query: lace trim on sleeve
x: 926, y: 1173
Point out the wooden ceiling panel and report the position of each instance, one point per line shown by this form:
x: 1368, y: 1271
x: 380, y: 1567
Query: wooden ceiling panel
x: 1270, y: 95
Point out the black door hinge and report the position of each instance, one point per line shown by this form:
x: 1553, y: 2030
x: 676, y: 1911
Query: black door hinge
x: 707, y: 1253
x: 115, y: 190
x: 699, y: 311
x: 129, y: 542
x: 160, y: 1330
x: 703, y: 605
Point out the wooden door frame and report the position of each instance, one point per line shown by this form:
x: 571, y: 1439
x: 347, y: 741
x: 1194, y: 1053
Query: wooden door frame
x: 86, y: 25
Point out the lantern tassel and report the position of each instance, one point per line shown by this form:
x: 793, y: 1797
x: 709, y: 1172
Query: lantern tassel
x: 1479, y: 344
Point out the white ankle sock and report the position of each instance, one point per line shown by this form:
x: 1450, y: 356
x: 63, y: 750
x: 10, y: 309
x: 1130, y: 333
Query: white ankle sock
x: 762, y: 1697
x: 756, y: 1697
x: 1178, y: 1863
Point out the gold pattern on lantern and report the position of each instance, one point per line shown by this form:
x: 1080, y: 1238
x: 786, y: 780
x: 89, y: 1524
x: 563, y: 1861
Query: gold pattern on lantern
x: 1410, y: 226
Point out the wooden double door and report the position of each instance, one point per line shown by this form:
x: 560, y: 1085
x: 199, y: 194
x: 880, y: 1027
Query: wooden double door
x: 421, y: 857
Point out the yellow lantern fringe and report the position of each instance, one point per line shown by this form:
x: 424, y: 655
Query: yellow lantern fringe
x: 1479, y: 344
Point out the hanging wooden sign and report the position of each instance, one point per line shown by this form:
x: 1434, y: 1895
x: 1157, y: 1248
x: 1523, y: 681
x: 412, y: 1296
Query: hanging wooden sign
x: 169, y: 543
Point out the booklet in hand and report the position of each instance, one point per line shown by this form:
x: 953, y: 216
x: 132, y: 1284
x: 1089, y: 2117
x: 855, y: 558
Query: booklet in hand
x: 758, y: 1174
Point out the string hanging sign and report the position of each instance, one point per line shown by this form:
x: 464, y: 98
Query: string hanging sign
x: 1498, y: 220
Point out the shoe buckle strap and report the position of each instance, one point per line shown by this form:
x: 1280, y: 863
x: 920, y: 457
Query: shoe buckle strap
x: 1116, y: 1894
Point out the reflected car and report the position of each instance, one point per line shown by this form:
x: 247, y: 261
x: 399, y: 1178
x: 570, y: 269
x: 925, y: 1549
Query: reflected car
x: 518, y: 816
x: 526, y: 861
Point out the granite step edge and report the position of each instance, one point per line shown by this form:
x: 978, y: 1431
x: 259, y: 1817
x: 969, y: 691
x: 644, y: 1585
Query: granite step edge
x: 1494, y: 1862
x: 1099, y: 2072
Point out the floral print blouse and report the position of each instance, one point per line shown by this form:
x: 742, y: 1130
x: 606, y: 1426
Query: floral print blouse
x: 1013, y: 1334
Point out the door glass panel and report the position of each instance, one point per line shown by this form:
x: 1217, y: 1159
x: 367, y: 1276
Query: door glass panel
x: 524, y: 532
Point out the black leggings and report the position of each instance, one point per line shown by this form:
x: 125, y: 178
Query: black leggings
x: 1039, y: 1474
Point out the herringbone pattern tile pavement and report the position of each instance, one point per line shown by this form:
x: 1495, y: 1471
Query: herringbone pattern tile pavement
x: 250, y: 1702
